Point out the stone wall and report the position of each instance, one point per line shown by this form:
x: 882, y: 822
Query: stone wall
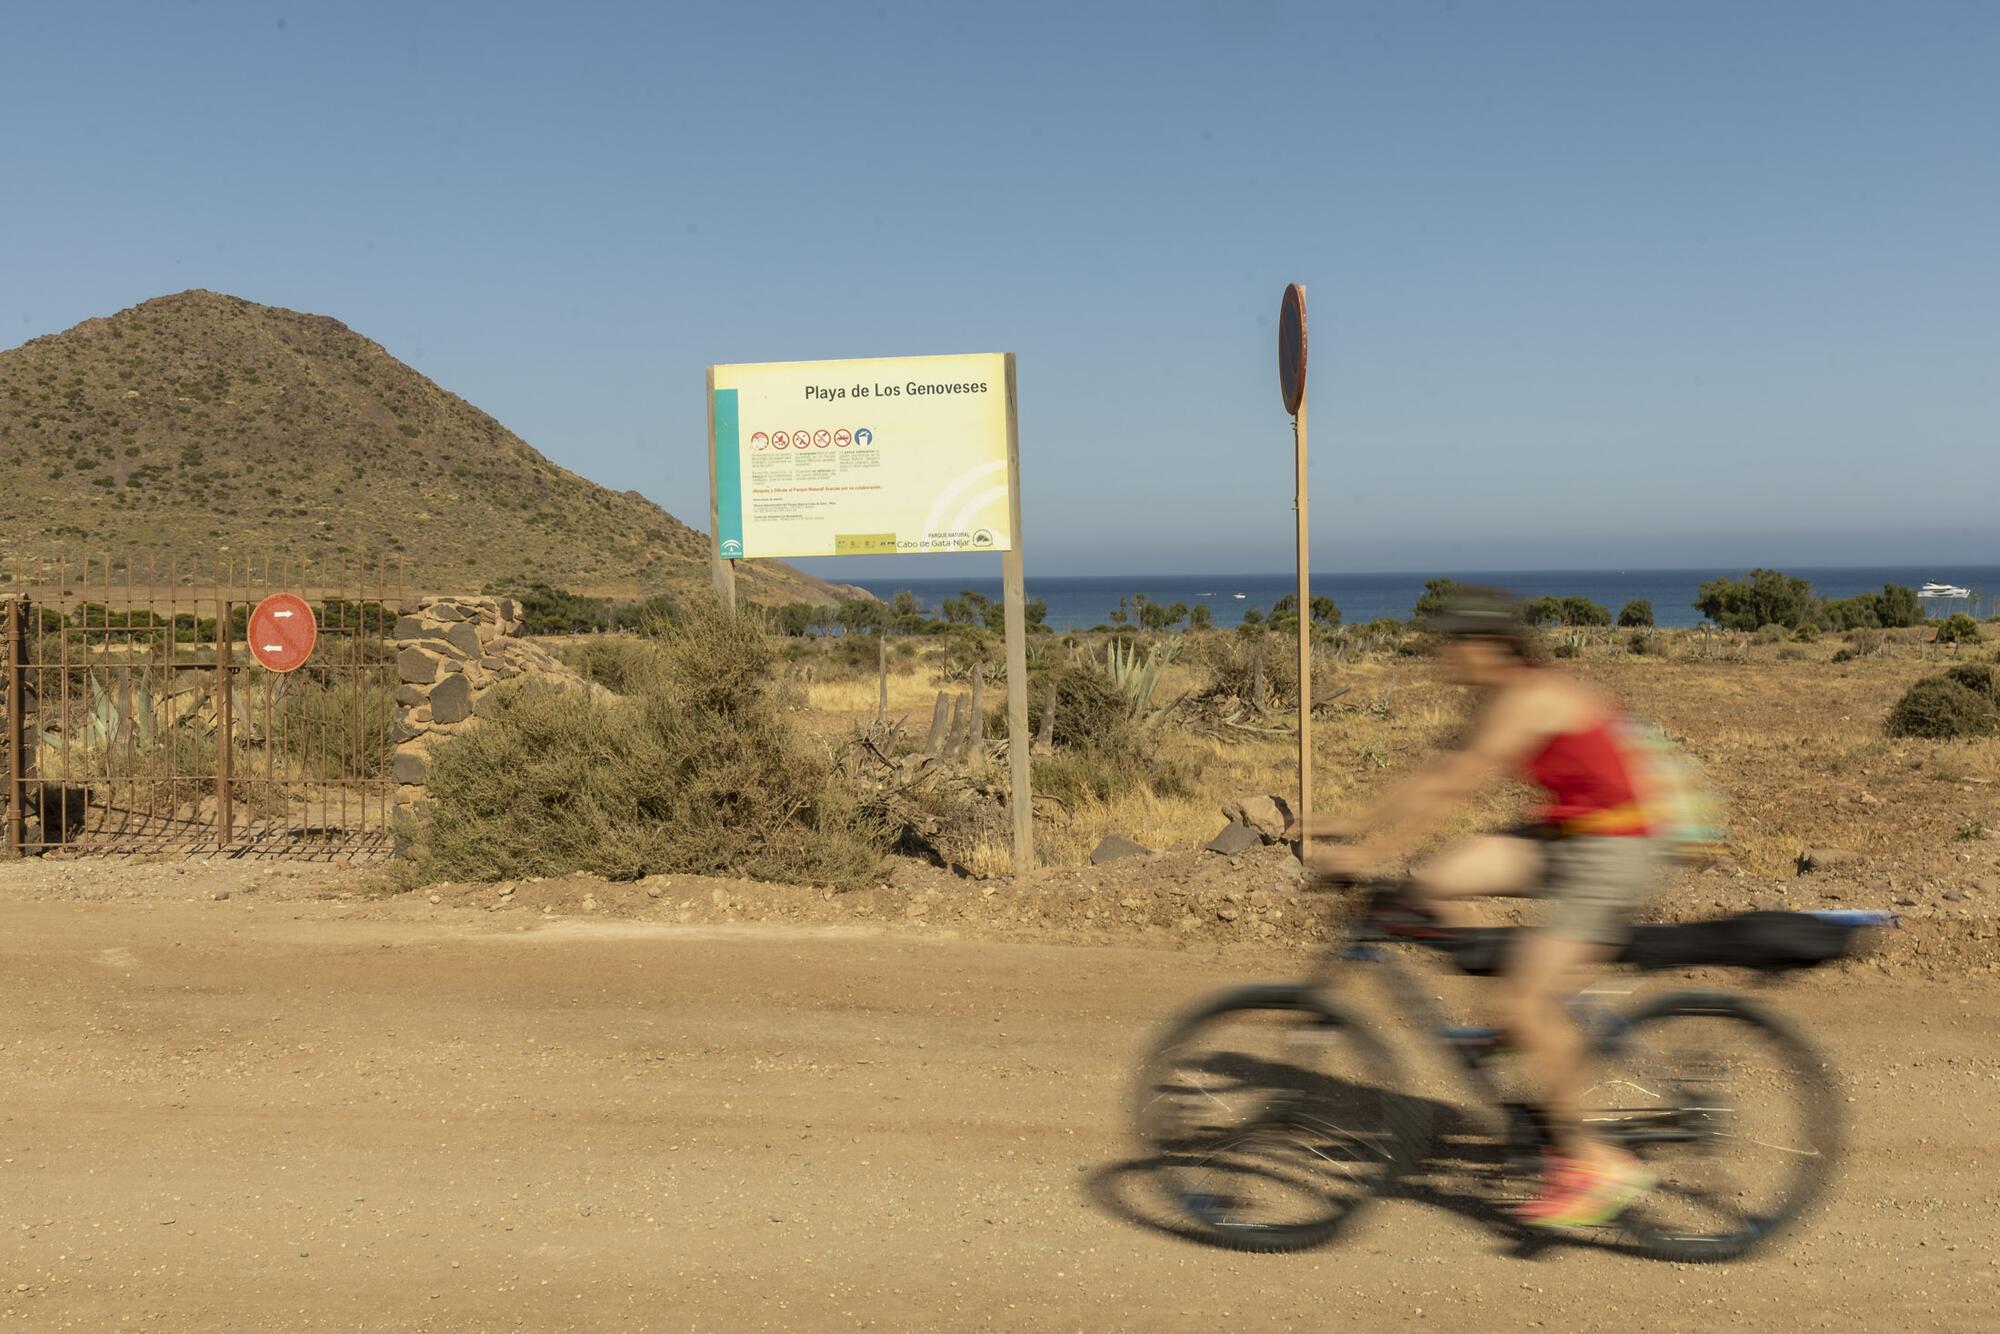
x: 449, y: 652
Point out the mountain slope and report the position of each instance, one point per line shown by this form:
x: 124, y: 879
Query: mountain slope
x: 199, y: 421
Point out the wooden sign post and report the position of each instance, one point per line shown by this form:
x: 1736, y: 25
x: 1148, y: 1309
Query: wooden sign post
x: 1292, y: 382
x: 881, y: 457
x: 1014, y: 593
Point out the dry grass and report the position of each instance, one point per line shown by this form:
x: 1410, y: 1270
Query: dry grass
x: 1791, y: 744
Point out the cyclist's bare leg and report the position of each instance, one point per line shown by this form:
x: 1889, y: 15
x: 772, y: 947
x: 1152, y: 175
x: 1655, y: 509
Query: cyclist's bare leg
x: 1490, y: 866
x: 1541, y: 974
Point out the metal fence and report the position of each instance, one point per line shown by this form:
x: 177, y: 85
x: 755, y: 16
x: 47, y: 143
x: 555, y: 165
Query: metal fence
x: 138, y: 721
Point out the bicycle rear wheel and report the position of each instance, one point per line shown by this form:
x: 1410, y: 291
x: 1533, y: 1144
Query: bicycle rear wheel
x: 1731, y: 1109
x: 1274, y: 1119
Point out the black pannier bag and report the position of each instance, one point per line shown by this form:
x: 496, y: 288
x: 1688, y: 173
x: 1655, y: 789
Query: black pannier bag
x: 1772, y: 941
x: 1768, y: 940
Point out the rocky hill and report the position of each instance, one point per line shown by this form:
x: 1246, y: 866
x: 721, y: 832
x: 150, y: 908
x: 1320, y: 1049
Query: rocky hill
x: 197, y: 422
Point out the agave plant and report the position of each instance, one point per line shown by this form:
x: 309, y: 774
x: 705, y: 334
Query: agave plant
x: 1138, y: 676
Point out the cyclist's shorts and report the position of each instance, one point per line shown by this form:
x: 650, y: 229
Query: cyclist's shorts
x: 1596, y: 886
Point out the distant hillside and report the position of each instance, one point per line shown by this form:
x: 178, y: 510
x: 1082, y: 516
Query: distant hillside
x: 199, y: 421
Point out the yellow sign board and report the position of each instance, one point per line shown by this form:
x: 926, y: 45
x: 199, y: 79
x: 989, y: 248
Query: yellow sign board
x: 872, y: 457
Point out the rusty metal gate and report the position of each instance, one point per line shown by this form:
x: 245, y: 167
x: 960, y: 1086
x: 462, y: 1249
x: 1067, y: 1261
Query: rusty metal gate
x: 137, y: 721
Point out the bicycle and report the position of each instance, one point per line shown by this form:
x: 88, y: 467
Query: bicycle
x: 1279, y: 1146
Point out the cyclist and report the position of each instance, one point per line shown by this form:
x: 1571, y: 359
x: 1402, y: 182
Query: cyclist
x: 1589, y: 851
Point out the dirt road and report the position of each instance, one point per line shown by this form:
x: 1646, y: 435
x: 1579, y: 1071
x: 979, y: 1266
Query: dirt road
x: 299, y: 1115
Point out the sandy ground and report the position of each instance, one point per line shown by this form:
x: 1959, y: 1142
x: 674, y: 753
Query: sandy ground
x: 281, y: 1111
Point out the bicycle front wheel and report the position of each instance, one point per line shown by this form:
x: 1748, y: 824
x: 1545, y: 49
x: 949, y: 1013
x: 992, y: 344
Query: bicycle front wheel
x: 1274, y: 1118
x: 1731, y: 1109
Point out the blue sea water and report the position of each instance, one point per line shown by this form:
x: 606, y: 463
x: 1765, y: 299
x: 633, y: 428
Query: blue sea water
x: 1078, y: 602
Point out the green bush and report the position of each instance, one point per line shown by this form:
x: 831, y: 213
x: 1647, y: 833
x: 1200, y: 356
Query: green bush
x: 1570, y: 611
x: 1770, y: 634
x: 1974, y: 676
x: 1807, y: 633
x: 1091, y: 711
x: 1647, y: 642
x: 1958, y: 628
x: 694, y: 771
x: 1940, y: 708
x: 646, y: 617
x: 1637, y: 612
x: 1439, y: 596
x: 338, y: 730
x: 557, y: 611
x: 617, y: 664
x: 1760, y: 598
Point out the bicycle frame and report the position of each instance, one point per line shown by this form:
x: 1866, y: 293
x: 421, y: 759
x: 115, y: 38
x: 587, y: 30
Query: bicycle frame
x: 1470, y: 1048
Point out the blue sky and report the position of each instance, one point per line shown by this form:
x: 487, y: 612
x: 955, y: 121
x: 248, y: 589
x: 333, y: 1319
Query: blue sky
x: 1591, y: 284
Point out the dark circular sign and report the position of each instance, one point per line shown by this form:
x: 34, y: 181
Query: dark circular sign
x: 282, y: 632
x: 1292, y: 347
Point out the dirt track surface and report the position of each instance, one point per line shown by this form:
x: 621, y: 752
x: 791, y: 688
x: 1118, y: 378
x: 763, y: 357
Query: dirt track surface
x: 288, y: 1114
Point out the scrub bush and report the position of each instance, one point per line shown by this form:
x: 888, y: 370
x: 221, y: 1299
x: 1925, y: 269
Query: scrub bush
x: 1940, y: 708
x: 692, y: 770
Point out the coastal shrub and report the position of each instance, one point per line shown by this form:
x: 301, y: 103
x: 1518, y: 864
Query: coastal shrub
x: 614, y: 663
x: 1845, y: 655
x: 1637, y: 612
x: 1582, y: 611
x: 557, y: 611
x: 1974, y: 676
x: 1760, y: 598
x: 1807, y: 633
x: 1438, y: 597
x: 1770, y: 634
x: 1793, y: 653
x: 1865, y: 643
x: 1897, y: 605
x: 1958, y: 628
x: 1568, y: 611
x: 338, y: 730
x: 1648, y: 642
x: 1091, y: 711
x: 1939, y: 708
x: 693, y: 771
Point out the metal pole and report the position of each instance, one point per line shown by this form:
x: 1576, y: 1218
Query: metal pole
x: 16, y: 724
x: 1305, y: 634
x: 225, y: 723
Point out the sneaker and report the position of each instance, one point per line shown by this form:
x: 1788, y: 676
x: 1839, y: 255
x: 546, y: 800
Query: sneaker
x: 1573, y: 1195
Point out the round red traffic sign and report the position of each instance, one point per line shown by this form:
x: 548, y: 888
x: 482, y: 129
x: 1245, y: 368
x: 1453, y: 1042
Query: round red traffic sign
x: 1292, y: 347
x: 282, y: 632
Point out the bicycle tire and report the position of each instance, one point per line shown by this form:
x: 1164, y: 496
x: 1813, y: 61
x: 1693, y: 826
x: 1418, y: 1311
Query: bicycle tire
x: 1804, y: 1163
x: 1211, y: 1144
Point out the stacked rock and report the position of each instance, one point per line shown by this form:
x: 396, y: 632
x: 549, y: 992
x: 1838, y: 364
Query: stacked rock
x: 449, y: 652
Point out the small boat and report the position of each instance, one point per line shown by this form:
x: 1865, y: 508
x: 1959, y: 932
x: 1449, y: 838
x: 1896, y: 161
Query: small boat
x: 1241, y: 596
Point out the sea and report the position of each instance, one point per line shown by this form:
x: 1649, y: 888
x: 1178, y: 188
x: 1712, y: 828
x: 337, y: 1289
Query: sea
x: 1080, y: 602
